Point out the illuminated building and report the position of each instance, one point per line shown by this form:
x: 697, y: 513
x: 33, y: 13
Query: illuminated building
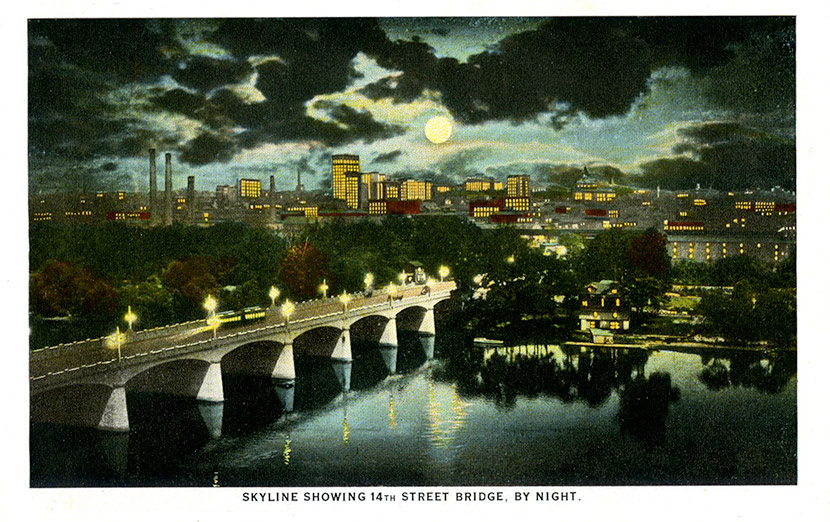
x: 603, y: 307
x: 702, y: 248
x: 517, y: 203
x: 340, y: 165
x: 518, y: 186
x: 412, y: 189
x: 683, y: 226
x: 309, y: 211
x: 131, y: 215
x: 482, y: 185
x: 485, y: 208
x: 382, y: 207
x: 352, y: 194
x: 391, y: 190
x: 250, y: 188
x: 372, y: 185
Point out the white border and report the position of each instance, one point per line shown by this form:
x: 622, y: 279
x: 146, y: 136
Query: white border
x: 810, y: 500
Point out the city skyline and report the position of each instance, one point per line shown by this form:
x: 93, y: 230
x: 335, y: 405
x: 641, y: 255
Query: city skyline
x: 709, y: 99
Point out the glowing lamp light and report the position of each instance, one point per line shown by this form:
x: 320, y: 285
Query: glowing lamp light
x: 324, y: 289
x: 443, y: 271
x: 210, y: 304
x: 273, y: 293
x: 511, y: 259
x: 368, y: 280
x: 402, y: 278
x: 287, y: 309
x: 130, y: 317
x: 115, y: 340
x: 344, y: 300
x: 390, y: 288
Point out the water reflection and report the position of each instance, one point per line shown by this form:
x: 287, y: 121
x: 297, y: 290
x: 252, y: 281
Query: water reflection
x: 768, y: 373
x: 644, y: 407
x: 531, y: 414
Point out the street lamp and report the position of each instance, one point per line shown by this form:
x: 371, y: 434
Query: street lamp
x: 402, y: 278
x: 213, y: 322
x: 210, y: 304
x: 344, y: 300
x: 115, y: 340
x: 130, y: 317
x: 273, y: 293
x: 324, y: 289
x: 368, y: 281
x: 287, y: 309
x: 443, y: 271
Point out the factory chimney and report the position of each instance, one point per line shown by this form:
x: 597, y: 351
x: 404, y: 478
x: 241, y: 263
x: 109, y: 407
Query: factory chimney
x: 272, y: 201
x: 191, y: 198
x: 168, y: 190
x: 153, y: 204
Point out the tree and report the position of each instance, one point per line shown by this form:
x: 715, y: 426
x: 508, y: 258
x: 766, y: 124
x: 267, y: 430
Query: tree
x: 647, y: 254
x: 191, y: 279
x: 303, y: 269
x: 64, y: 288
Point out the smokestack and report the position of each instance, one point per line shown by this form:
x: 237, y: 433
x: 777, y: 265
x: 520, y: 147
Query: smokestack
x: 168, y: 190
x: 191, y: 197
x: 272, y: 201
x: 152, y: 203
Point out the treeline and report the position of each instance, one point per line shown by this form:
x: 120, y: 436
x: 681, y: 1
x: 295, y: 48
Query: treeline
x: 93, y: 273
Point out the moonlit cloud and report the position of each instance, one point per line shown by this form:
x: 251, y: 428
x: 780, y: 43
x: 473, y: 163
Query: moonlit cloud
x: 264, y: 96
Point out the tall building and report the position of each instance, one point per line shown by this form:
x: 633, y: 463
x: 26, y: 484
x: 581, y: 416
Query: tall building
x: 250, y: 188
x: 518, y: 186
x: 372, y: 185
x: 352, y: 193
x: 340, y: 165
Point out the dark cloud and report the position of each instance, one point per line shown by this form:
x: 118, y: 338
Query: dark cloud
x: 725, y: 156
x: 388, y: 157
x: 598, y: 66
x: 208, y: 148
x: 122, y: 49
x: 205, y: 74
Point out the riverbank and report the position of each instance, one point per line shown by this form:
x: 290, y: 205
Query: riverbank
x: 667, y: 342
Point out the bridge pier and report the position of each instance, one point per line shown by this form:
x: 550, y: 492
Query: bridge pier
x: 284, y: 367
x: 211, y: 389
x: 342, y: 360
x: 114, y: 416
x: 427, y: 326
x: 283, y: 376
x: 389, y: 345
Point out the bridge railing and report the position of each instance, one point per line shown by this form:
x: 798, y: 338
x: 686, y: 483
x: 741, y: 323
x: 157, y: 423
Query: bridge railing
x: 378, y: 301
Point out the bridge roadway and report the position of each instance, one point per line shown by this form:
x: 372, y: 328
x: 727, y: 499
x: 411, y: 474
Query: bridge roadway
x: 54, y: 371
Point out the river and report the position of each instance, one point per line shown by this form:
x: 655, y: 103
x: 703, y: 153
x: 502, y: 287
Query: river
x: 536, y: 414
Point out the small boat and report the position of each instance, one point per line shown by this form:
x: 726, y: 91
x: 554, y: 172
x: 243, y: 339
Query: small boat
x: 483, y: 341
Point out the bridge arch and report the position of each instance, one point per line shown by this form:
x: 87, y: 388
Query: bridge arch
x: 324, y: 341
x: 186, y: 377
x: 87, y: 405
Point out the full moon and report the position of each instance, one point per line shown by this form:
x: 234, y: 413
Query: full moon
x: 438, y: 129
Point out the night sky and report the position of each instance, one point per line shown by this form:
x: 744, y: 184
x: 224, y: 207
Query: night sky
x: 675, y: 101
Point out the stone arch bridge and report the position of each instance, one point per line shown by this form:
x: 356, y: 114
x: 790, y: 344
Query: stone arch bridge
x: 85, y: 383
